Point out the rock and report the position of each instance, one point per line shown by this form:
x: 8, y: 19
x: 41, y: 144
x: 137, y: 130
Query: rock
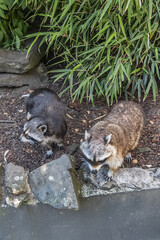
x: 73, y: 148
x: 157, y: 173
x: 20, y: 62
x: 17, y: 189
x: 15, y: 179
x: 52, y: 184
x: 124, y: 180
x: 35, y: 78
x: 142, y: 150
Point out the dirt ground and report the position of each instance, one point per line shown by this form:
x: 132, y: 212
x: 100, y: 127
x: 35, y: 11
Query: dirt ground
x: 79, y: 117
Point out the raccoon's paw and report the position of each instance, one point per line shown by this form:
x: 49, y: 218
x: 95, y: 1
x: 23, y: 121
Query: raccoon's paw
x: 49, y: 154
x: 60, y: 146
x: 128, y: 158
x: 108, y: 178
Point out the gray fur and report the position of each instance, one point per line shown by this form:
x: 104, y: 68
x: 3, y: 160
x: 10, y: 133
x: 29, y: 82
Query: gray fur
x: 46, y: 119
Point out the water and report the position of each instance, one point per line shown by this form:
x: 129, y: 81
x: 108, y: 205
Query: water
x: 118, y: 217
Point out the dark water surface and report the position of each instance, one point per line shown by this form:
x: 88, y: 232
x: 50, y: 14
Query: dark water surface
x: 118, y: 217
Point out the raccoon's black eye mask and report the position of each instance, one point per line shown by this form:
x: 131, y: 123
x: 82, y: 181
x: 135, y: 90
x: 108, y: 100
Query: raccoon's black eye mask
x: 32, y: 139
x: 94, y: 162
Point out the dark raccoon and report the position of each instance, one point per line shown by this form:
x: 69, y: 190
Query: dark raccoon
x: 46, y: 119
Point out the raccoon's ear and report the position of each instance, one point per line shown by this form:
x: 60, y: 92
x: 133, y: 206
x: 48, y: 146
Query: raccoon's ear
x: 107, y: 139
x: 87, y: 136
x: 42, y: 128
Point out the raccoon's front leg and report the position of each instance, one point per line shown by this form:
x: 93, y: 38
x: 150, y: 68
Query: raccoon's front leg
x: 114, y: 163
x: 49, y: 152
x: 60, y: 146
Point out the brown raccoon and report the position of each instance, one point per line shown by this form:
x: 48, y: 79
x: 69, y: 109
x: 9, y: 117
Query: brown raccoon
x: 109, y: 141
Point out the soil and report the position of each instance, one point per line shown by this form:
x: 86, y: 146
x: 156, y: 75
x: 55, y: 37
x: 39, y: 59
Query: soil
x: 79, y: 117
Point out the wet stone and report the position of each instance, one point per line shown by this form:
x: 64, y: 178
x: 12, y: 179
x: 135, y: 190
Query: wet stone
x: 52, y: 184
x: 124, y: 180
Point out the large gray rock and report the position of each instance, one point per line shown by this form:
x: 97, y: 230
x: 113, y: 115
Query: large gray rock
x: 20, y: 62
x: 52, y: 184
x: 124, y: 180
x: 35, y: 78
x: 17, y: 189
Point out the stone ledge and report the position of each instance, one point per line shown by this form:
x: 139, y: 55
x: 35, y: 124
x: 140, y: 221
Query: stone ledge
x: 20, y: 62
x: 124, y: 180
x: 34, y: 78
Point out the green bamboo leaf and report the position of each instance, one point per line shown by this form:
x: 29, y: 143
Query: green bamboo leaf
x: 66, y: 9
x: 54, y: 8
x: 105, y: 9
x: 147, y: 89
x: 122, y: 26
x: 150, y: 8
x: 136, y: 70
x: 30, y: 47
x: 1, y: 36
x: 110, y: 38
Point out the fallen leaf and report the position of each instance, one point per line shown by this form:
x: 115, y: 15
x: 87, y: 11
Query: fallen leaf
x: 20, y: 111
x: 30, y: 91
x: 149, y: 166
x: 69, y: 116
x: 84, y: 121
x: 151, y: 122
x: 135, y: 161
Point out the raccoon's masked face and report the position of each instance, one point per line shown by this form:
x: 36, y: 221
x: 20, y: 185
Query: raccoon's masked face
x: 96, y: 150
x: 33, y: 131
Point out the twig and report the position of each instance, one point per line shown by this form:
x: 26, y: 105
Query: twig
x: 7, y: 121
x: 5, y: 155
x: 69, y: 116
x: 98, y: 118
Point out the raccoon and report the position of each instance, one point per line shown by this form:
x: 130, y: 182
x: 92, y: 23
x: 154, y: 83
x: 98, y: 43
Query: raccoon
x: 46, y: 120
x: 110, y: 141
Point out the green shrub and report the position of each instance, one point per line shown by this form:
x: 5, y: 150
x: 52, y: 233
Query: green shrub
x: 108, y: 47
x: 13, y: 26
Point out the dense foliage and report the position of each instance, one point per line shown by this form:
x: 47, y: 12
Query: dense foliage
x: 108, y: 46
x: 13, y: 26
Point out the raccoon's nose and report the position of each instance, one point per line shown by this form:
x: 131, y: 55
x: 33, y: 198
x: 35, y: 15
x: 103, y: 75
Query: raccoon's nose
x: 94, y: 171
x: 19, y: 138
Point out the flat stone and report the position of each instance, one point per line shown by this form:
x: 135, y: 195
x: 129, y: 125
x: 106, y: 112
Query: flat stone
x: 20, y: 62
x: 52, y: 184
x: 124, y: 180
x: 142, y: 150
x: 34, y: 78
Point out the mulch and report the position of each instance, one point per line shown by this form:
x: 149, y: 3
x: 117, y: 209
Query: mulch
x: 79, y: 117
